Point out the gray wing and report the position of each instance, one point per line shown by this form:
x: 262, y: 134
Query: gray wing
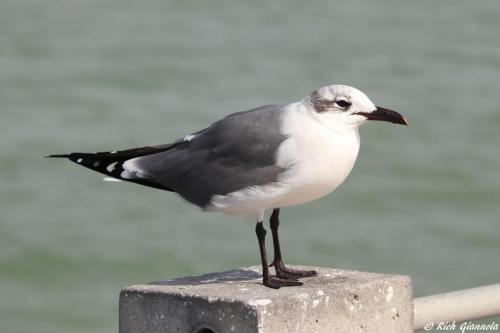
x: 236, y: 152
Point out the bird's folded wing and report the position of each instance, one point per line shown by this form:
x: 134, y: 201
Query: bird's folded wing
x: 236, y: 152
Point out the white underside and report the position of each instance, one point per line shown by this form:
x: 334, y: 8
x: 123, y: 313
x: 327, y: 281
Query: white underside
x: 317, y: 159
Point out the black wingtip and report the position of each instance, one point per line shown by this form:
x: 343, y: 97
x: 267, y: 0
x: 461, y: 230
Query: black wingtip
x: 57, y: 156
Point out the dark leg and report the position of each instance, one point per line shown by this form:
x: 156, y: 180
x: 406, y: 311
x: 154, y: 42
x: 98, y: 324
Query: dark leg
x: 267, y: 279
x: 281, y: 270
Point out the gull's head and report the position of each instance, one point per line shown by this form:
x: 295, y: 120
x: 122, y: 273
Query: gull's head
x: 339, y: 105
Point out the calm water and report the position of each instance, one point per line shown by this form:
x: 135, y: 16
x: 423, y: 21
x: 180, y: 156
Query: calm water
x: 93, y: 75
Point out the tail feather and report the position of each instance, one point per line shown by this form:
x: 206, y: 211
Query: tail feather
x: 111, y: 163
x: 58, y: 156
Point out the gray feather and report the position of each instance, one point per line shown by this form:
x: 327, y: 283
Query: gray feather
x: 236, y: 152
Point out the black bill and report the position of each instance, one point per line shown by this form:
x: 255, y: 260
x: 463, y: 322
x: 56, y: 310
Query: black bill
x: 385, y: 115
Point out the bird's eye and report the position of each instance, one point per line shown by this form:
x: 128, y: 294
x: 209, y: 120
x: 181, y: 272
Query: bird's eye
x: 343, y: 104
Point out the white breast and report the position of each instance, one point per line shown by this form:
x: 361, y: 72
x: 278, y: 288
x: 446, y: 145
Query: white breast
x: 317, y: 159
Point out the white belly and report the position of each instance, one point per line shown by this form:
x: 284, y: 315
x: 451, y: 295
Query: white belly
x: 316, y: 159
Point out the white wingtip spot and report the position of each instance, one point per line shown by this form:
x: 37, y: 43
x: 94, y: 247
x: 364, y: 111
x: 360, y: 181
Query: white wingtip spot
x: 79, y: 160
x: 113, y: 152
x: 111, y: 167
x: 131, y: 169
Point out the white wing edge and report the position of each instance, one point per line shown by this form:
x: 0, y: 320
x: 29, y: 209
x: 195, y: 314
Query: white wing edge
x: 111, y: 179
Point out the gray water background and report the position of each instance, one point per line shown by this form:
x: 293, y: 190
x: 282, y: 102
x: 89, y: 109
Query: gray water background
x: 100, y: 75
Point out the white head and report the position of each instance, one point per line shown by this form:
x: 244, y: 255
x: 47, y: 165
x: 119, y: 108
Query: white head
x: 339, y: 105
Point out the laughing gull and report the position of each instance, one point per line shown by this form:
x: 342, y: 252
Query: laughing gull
x: 266, y: 158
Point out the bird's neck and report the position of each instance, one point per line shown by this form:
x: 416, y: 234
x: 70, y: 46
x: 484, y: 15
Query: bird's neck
x: 313, y: 140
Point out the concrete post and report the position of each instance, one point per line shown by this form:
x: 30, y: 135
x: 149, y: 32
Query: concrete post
x: 236, y: 301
